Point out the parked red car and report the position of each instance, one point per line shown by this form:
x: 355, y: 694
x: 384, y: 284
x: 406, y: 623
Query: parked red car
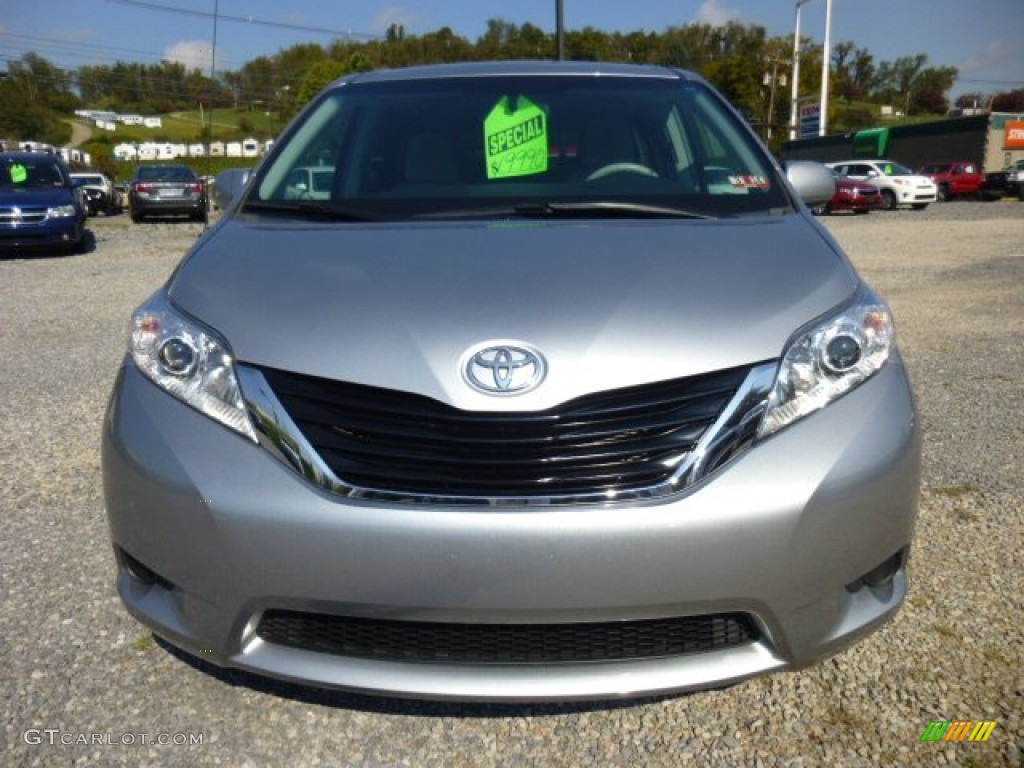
x: 955, y: 179
x: 851, y: 195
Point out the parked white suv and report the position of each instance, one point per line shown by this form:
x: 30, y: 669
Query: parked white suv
x: 897, y: 184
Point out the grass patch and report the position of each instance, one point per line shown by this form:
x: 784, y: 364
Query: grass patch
x: 994, y: 655
x: 143, y: 644
x: 944, y: 629
x: 956, y: 491
x: 965, y: 515
x: 841, y: 717
x: 190, y: 127
x: 922, y: 675
x: 979, y: 761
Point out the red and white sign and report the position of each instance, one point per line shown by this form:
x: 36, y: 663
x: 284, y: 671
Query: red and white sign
x: 1013, y: 134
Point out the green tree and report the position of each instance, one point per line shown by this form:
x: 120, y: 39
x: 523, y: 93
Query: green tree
x: 35, y: 96
x: 928, y: 92
x: 1009, y: 101
x: 319, y: 76
x: 853, y: 72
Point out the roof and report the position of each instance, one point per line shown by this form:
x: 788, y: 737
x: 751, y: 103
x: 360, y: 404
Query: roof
x: 30, y: 156
x: 534, y: 68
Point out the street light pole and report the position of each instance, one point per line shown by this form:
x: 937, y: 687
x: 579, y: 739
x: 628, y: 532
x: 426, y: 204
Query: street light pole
x: 794, y: 117
x: 826, y: 60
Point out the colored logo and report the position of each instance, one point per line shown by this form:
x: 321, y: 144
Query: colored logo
x: 958, y: 730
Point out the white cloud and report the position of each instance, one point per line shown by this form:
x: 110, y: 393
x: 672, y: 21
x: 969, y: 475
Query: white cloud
x: 193, y: 54
x: 715, y: 14
x: 996, y: 53
x: 73, y: 35
x: 396, y: 14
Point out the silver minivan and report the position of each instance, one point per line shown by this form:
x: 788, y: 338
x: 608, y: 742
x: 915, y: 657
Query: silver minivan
x: 556, y: 391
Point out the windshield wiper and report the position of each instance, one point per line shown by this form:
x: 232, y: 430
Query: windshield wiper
x: 307, y: 209
x: 611, y: 208
x: 541, y: 210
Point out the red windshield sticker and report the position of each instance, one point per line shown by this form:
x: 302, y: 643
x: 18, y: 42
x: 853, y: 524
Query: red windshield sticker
x: 749, y: 182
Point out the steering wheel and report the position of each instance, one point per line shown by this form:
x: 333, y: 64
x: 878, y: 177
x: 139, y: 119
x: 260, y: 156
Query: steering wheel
x: 608, y: 170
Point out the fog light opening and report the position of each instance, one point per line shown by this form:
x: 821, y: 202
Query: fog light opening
x: 884, y: 573
x: 141, y: 573
x: 881, y: 575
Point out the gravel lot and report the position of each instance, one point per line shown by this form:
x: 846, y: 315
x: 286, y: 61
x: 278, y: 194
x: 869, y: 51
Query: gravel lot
x: 76, y: 663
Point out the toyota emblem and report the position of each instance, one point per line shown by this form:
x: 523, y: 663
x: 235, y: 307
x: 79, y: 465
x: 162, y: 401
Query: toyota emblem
x: 504, y: 369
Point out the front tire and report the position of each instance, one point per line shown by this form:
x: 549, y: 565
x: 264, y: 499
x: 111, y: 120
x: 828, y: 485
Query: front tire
x: 942, y: 195
x: 888, y: 200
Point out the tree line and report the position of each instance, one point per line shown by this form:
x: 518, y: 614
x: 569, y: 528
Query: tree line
x: 749, y: 67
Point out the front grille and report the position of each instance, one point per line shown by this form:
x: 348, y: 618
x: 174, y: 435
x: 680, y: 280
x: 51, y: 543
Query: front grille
x: 609, y: 442
x: 12, y: 215
x: 426, y: 642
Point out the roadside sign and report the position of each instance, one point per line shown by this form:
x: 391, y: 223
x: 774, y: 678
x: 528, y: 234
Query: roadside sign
x: 810, y: 120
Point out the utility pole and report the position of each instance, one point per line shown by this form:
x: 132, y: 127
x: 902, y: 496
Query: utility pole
x: 560, y: 29
x: 773, y: 79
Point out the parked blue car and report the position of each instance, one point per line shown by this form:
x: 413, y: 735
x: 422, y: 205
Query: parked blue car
x: 40, y: 209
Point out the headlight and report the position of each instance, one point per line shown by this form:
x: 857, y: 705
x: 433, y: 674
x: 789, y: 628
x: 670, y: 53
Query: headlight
x: 826, y: 362
x: 189, y: 362
x: 60, y: 212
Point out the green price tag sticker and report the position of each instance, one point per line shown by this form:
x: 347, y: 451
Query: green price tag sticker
x: 18, y: 173
x: 516, y: 139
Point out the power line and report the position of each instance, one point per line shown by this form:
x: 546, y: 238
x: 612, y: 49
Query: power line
x: 990, y: 82
x: 87, y: 51
x: 248, y: 20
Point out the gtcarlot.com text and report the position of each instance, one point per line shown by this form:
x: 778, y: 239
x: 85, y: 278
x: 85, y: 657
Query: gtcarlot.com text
x: 55, y: 737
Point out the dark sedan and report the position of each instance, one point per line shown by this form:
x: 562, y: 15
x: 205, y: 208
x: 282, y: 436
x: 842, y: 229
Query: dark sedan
x: 167, y: 190
x: 1005, y: 183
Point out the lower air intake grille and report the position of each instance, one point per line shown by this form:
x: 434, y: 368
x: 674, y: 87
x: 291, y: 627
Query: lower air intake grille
x: 425, y: 642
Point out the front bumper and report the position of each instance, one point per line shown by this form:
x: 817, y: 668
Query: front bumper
x: 65, y: 232
x: 783, y: 534
x: 150, y: 205
x: 850, y: 202
x: 918, y: 195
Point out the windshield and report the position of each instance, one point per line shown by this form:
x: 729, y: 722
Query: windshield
x: 164, y: 173
x: 895, y: 169
x: 81, y: 181
x: 30, y: 172
x: 531, y: 145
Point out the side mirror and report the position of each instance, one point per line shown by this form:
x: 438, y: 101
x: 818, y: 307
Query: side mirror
x: 228, y: 184
x: 812, y: 181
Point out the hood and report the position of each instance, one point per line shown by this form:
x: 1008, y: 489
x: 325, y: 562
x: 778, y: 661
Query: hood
x: 914, y: 178
x: 608, y: 304
x: 851, y: 184
x: 44, y: 196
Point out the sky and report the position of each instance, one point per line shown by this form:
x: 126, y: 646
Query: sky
x: 983, y: 39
